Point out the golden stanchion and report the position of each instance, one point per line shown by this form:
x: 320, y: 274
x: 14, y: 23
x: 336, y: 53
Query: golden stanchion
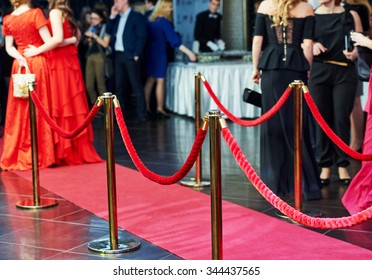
x: 298, y: 128
x: 36, y: 202
x: 297, y: 145
x: 197, y: 182
x: 216, y: 196
x: 114, y: 244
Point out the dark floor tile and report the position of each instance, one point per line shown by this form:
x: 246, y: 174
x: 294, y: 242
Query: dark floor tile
x: 358, y: 238
x: 11, y: 251
x: 52, y: 235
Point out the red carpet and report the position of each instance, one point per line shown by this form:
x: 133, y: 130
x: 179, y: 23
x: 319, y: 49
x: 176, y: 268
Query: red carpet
x: 178, y: 219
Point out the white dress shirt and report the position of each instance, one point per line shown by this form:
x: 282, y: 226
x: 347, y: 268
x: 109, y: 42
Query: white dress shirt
x: 119, y: 44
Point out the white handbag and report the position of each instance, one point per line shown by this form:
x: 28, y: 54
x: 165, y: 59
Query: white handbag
x: 20, y: 82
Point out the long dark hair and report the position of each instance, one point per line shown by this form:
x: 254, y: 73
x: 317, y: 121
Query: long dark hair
x: 67, y: 13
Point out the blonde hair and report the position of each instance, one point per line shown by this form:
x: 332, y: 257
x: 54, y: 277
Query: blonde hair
x: 159, y: 10
x: 17, y: 3
x: 282, y: 13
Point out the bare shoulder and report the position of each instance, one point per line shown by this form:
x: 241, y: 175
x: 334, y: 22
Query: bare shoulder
x: 304, y: 9
x: 266, y: 7
x: 56, y: 13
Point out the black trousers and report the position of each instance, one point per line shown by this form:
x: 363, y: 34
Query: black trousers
x: 333, y: 89
x: 124, y: 68
x: 277, y: 139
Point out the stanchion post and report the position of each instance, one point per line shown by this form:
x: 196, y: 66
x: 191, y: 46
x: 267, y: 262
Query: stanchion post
x: 111, y: 176
x: 114, y: 244
x: 34, y: 152
x: 198, y: 164
x: 216, y: 195
x: 36, y: 202
x: 197, y: 182
x: 297, y: 144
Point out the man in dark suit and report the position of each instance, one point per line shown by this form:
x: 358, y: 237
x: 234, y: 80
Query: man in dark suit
x: 127, y: 30
x: 207, y: 30
x: 150, y: 6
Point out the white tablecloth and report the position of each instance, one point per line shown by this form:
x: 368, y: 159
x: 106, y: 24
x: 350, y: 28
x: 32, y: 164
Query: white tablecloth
x: 227, y: 79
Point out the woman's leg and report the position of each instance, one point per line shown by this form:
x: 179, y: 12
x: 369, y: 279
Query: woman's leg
x: 357, y: 125
x: 148, y: 89
x: 160, y: 95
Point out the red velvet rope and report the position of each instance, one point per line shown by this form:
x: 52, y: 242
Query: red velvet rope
x: 322, y: 223
x: 195, y: 151
x: 55, y: 127
x: 273, y: 110
x: 333, y: 136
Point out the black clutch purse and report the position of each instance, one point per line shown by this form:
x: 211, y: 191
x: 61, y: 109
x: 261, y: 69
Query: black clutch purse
x: 364, y: 63
x: 252, y: 97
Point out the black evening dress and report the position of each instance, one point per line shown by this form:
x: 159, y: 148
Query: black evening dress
x: 282, y: 61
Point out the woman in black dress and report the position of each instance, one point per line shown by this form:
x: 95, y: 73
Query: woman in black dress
x: 287, y: 30
x: 333, y: 82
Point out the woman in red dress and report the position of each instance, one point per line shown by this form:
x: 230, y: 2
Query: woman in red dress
x: 25, y: 26
x: 68, y: 95
x: 358, y: 196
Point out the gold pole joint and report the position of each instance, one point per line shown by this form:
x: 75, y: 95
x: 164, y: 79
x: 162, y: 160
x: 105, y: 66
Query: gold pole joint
x: 99, y: 101
x: 205, y: 123
x: 223, y: 123
x: 31, y: 86
x: 305, y: 89
x: 116, y: 102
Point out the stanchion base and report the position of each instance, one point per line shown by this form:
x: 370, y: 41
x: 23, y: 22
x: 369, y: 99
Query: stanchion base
x: 30, y: 203
x: 104, y: 246
x: 192, y: 183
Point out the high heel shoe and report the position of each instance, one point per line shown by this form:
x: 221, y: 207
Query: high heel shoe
x: 162, y: 114
x: 325, y: 176
x: 345, y: 181
x: 344, y: 176
x: 324, y: 182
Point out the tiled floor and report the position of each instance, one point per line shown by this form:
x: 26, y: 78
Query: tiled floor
x: 64, y: 231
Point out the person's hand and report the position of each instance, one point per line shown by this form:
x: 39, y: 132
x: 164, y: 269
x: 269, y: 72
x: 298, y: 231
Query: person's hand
x: 212, y: 46
x: 115, y: 9
x: 318, y: 48
x: 351, y: 55
x: 221, y: 45
x: 30, y: 51
x: 193, y: 57
x: 256, y: 76
x: 74, y: 40
x: 90, y: 34
x: 136, y: 58
x: 359, y: 39
x: 22, y: 61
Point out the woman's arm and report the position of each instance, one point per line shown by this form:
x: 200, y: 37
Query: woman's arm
x: 12, y: 51
x: 57, y: 38
x: 104, y: 42
x: 352, y: 55
x: 307, y: 47
x: 188, y: 52
x: 360, y: 40
x: 256, y: 51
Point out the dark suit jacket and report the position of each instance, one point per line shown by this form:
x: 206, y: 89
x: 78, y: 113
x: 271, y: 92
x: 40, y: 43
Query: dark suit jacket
x: 134, y: 35
x: 207, y: 29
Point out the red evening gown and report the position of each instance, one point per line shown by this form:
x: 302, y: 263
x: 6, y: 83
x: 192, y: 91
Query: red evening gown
x: 17, y: 140
x: 358, y: 195
x: 69, y: 104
